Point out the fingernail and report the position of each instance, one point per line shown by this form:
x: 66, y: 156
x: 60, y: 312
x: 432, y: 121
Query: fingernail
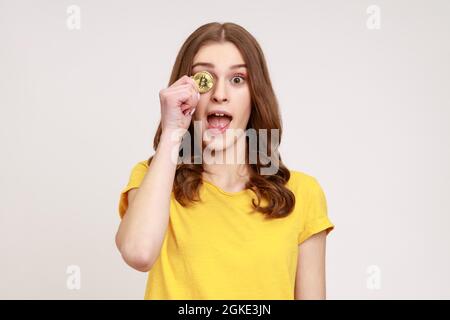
x: 198, y: 94
x: 192, y: 111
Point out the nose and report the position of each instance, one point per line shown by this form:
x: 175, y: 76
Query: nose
x: 219, y: 93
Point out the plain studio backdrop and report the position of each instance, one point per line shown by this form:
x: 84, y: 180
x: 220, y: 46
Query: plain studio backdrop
x: 364, y: 92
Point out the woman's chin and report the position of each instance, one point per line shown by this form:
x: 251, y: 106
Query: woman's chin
x: 216, y: 139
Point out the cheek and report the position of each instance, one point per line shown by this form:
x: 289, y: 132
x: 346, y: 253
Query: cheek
x: 243, y: 116
x: 245, y: 103
x: 242, y: 120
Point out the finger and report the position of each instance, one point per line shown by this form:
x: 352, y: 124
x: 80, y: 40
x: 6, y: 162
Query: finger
x: 180, y: 81
x: 188, y: 96
x: 185, y: 88
x: 183, y: 94
x: 185, y: 107
x: 185, y: 80
x: 189, y: 112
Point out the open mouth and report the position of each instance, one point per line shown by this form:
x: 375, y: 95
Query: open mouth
x: 219, y: 121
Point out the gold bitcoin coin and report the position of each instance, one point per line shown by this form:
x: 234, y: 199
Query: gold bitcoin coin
x: 204, y: 80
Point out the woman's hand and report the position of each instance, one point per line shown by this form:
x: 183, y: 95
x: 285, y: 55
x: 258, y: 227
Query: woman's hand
x: 178, y: 103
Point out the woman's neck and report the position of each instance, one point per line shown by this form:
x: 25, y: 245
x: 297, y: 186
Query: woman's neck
x: 228, y: 177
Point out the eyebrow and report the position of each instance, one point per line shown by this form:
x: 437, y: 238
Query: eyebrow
x: 206, y: 64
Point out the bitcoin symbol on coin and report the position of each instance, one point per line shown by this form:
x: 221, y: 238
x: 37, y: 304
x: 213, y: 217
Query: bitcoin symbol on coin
x: 204, y: 80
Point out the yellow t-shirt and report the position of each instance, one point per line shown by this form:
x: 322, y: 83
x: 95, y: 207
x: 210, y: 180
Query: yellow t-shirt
x: 217, y: 249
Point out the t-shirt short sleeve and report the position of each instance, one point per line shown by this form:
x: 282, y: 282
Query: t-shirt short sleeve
x: 315, y: 212
x: 136, y: 176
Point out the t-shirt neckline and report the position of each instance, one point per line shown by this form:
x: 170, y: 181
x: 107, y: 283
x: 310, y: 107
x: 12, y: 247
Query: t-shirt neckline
x: 227, y: 193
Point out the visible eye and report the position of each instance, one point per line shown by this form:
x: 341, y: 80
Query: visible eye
x: 237, y: 77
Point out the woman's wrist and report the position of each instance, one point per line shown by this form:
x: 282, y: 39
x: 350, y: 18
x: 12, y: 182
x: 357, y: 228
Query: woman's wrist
x: 172, y: 137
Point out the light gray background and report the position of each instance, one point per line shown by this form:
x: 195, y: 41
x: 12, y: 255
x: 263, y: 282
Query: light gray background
x: 366, y: 112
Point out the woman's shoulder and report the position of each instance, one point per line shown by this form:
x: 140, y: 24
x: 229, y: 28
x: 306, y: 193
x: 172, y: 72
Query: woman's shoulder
x: 302, y: 181
x: 300, y: 176
x: 140, y: 165
x: 143, y: 163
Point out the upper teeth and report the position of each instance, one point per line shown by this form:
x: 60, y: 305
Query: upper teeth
x: 219, y: 114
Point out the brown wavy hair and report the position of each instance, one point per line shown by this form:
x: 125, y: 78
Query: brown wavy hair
x: 265, y: 114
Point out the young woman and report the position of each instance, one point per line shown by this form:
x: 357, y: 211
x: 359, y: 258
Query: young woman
x: 215, y: 230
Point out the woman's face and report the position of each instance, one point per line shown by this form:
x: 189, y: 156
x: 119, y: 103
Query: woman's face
x: 230, y: 94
